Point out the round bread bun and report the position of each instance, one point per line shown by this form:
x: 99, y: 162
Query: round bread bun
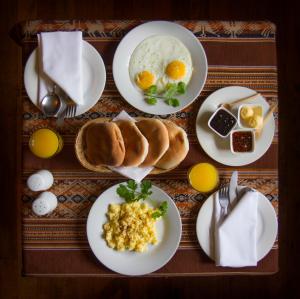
x: 157, y: 135
x: 104, y: 144
x: 178, y: 148
x: 136, y: 145
x: 80, y: 150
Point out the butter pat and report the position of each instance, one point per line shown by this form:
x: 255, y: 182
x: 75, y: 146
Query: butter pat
x: 246, y: 112
x: 250, y: 116
x: 255, y: 122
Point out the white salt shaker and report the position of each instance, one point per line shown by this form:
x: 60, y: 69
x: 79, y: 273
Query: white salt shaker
x: 40, y: 180
x: 45, y: 203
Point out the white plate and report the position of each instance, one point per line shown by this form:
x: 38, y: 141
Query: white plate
x: 93, y: 77
x: 219, y: 148
x: 129, y: 262
x: 128, y: 44
x: 266, y: 226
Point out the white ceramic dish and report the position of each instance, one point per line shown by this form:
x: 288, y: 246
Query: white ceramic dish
x: 266, y: 226
x: 213, y: 115
x: 219, y: 148
x: 240, y: 122
x: 242, y: 130
x: 93, y: 75
x: 128, y: 44
x: 128, y: 262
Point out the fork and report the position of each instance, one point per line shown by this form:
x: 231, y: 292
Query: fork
x: 224, y: 199
x: 71, y: 108
x: 69, y: 111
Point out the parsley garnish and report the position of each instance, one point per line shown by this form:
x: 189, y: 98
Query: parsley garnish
x: 130, y: 193
x: 172, y: 90
x: 161, y: 210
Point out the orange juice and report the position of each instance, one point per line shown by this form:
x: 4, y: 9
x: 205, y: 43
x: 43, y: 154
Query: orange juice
x: 45, y: 143
x: 203, y: 177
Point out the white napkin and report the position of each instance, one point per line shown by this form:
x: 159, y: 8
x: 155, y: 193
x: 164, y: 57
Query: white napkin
x: 60, y: 62
x: 235, y: 235
x: 135, y: 173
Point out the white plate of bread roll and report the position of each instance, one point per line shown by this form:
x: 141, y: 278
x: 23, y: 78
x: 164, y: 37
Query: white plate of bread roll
x: 146, y: 142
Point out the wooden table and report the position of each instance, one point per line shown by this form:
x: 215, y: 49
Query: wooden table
x: 238, y: 53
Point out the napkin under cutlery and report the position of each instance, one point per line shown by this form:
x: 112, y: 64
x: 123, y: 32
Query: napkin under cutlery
x: 135, y: 173
x: 235, y: 233
x: 60, y: 63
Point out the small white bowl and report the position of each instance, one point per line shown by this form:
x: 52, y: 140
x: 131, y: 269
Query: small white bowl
x: 242, y: 130
x: 210, y: 119
x: 240, y: 121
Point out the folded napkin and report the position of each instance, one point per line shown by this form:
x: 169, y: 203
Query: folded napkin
x: 235, y: 234
x: 60, y: 62
x: 135, y: 173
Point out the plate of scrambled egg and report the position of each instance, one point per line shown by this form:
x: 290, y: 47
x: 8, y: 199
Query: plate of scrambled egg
x: 127, y: 237
x: 152, y: 59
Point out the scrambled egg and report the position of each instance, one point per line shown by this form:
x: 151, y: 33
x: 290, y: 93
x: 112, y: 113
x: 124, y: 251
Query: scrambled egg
x: 130, y: 226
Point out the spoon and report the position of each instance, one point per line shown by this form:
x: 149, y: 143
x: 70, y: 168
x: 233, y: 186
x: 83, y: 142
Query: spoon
x: 230, y: 105
x: 51, y: 103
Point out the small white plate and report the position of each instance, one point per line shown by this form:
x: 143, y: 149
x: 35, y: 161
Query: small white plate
x: 93, y: 77
x: 130, y: 262
x: 219, y: 148
x: 128, y: 44
x: 266, y: 226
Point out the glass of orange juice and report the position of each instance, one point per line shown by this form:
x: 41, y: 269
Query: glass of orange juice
x: 45, y: 143
x: 203, y: 177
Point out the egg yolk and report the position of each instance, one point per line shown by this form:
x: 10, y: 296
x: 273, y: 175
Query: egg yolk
x: 145, y: 79
x: 175, y: 69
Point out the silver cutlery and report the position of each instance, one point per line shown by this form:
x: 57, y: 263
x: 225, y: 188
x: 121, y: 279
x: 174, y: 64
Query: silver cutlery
x: 71, y: 108
x: 233, y: 188
x: 224, y: 199
x: 51, y: 103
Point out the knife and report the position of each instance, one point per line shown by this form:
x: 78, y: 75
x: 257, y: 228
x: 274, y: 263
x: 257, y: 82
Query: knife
x: 233, y: 188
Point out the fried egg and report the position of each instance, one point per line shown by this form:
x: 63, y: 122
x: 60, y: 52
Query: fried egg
x: 160, y: 60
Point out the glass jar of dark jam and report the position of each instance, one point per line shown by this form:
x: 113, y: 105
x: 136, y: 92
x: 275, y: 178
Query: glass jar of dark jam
x: 222, y: 122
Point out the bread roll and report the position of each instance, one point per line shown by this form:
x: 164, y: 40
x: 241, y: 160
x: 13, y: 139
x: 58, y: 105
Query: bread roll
x: 104, y: 144
x: 157, y: 135
x: 178, y: 148
x: 136, y: 145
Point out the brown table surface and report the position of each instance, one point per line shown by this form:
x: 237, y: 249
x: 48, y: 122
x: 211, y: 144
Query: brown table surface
x: 238, y: 53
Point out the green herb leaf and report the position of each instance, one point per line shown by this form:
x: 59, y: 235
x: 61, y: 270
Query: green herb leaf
x: 181, y: 88
x: 152, y: 90
x: 156, y: 214
x: 172, y: 102
x: 168, y: 102
x: 130, y: 194
x: 151, y: 101
x: 175, y: 102
x: 161, y: 211
x: 131, y: 184
x: 125, y: 193
x: 171, y: 90
x: 145, y: 187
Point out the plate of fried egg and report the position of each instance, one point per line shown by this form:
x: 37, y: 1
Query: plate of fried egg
x: 135, y: 236
x: 160, y: 67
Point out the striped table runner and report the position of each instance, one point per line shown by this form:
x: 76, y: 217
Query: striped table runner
x: 238, y: 53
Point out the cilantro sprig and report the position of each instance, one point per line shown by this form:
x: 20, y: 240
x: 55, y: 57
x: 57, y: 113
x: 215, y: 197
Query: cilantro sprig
x: 129, y: 191
x: 161, y: 210
x: 168, y: 95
